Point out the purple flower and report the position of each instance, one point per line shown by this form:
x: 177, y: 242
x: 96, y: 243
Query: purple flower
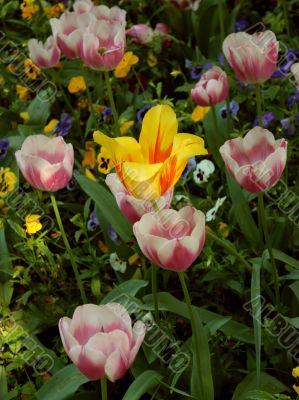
x: 63, y: 126
x: 141, y: 113
x: 221, y: 58
x: 241, y: 25
x: 285, y: 66
x: 191, y: 166
x: 292, y: 100
x: 112, y: 234
x: 4, y: 145
x: 267, y: 119
x: 93, y: 222
x: 107, y: 113
x: 233, y: 109
x: 208, y: 65
x: 288, y: 128
x: 196, y: 72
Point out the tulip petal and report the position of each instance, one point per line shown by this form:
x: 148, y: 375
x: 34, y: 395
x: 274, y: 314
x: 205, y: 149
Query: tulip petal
x: 90, y: 361
x: 67, y: 338
x: 258, y: 144
x: 107, y: 343
x: 159, y: 128
x: 139, y: 331
x: 116, y: 366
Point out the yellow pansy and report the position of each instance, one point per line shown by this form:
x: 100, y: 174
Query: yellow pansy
x: 31, y: 70
x: 32, y: 224
x: 22, y: 92
x: 152, y: 166
x: 3, y: 207
x: 82, y: 104
x: 77, y: 84
x: 124, y: 66
x: 223, y: 229
x: 89, y: 155
x: 104, y: 161
x: 28, y: 8
x: 151, y: 59
x: 55, y: 10
x: 199, y: 113
x: 126, y: 126
x: 25, y: 116
x: 7, y: 181
x: 295, y: 374
x: 51, y: 126
x: 90, y: 175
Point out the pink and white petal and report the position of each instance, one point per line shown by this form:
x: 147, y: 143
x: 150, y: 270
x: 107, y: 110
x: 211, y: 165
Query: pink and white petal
x: 33, y: 143
x: 258, y: 144
x: 90, y: 361
x: 68, y: 162
x: 67, y: 338
x: 54, y: 177
x: 139, y: 331
x: 116, y: 366
x: 86, y: 322
x: 33, y: 169
x: 107, y: 343
x: 276, y: 163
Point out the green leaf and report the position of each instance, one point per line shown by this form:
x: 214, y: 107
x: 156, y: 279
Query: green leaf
x: 258, y: 395
x: 295, y: 288
x: 144, y: 383
x: 268, y: 383
x: 6, y: 269
x: 63, y: 384
x: 281, y: 256
x: 39, y: 110
x: 105, y: 201
x: 257, y: 318
x: 125, y: 291
x: 3, y: 384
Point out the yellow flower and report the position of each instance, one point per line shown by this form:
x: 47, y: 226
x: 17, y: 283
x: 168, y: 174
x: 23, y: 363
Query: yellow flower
x: 104, y: 161
x: 77, y: 84
x: 151, y: 167
x: 32, y: 224
x: 22, y: 92
x: 151, y: 59
x: 223, y: 229
x: 55, y: 10
x: 89, y: 155
x: 82, y: 104
x: 3, y: 207
x: 90, y: 175
x: 7, y: 181
x: 134, y: 259
x: 199, y: 113
x: 51, y: 126
x: 125, y: 126
x: 31, y: 70
x: 295, y: 372
x: 25, y: 116
x: 124, y: 66
x: 28, y: 9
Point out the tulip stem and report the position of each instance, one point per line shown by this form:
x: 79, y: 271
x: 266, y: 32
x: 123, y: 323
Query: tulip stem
x: 262, y: 214
x: 195, y: 338
x: 68, y: 248
x: 225, y: 244
x: 112, y: 103
x: 154, y: 291
x: 104, y: 388
x: 92, y: 110
x: 259, y: 104
x: 286, y: 16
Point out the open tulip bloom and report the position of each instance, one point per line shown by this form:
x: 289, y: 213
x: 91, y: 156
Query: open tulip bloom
x: 46, y: 163
x: 255, y: 161
x: 152, y: 166
x: 44, y: 55
x: 101, y: 341
x: 252, y: 57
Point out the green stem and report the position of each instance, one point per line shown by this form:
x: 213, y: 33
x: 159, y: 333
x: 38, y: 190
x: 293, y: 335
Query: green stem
x: 93, y: 113
x: 286, y: 16
x: 262, y: 214
x: 154, y: 292
x: 192, y: 320
x: 259, y: 104
x: 104, y: 389
x: 214, y: 114
x: 112, y: 103
x: 68, y: 248
x: 229, y: 248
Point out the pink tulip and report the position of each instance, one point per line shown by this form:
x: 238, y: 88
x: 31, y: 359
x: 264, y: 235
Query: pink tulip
x: 44, y: 55
x: 103, y: 45
x: 130, y: 206
x: 255, y: 161
x: 211, y: 89
x: 83, y: 6
x: 141, y: 34
x: 69, y: 30
x: 101, y: 341
x: 252, y: 57
x: 46, y: 163
x: 171, y: 239
x: 295, y: 72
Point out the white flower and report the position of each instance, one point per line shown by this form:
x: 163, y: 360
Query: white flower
x: 117, y: 264
x: 203, y: 171
x: 211, y: 214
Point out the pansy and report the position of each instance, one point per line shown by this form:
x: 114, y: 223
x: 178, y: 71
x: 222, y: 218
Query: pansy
x: 104, y: 161
x: 77, y: 84
x: 4, y: 145
x: 191, y: 166
x: 28, y: 7
x: 117, y: 264
x: 288, y: 128
x: 89, y: 159
x: 199, y: 113
x: 203, y: 171
x: 8, y: 181
x: 141, y: 113
x: 125, y: 64
x: 211, y: 214
x: 22, y: 92
x: 31, y: 70
x: 233, y: 109
x: 92, y: 222
x: 152, y: 166
x: 64, y: 125
x: 32, y: 224
x: 267, y: 118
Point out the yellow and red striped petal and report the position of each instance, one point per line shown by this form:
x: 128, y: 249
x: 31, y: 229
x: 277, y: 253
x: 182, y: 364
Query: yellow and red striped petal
x: 159, y: 128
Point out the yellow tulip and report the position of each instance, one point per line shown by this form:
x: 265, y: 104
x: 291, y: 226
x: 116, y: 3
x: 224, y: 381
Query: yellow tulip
x: 151, y: 167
